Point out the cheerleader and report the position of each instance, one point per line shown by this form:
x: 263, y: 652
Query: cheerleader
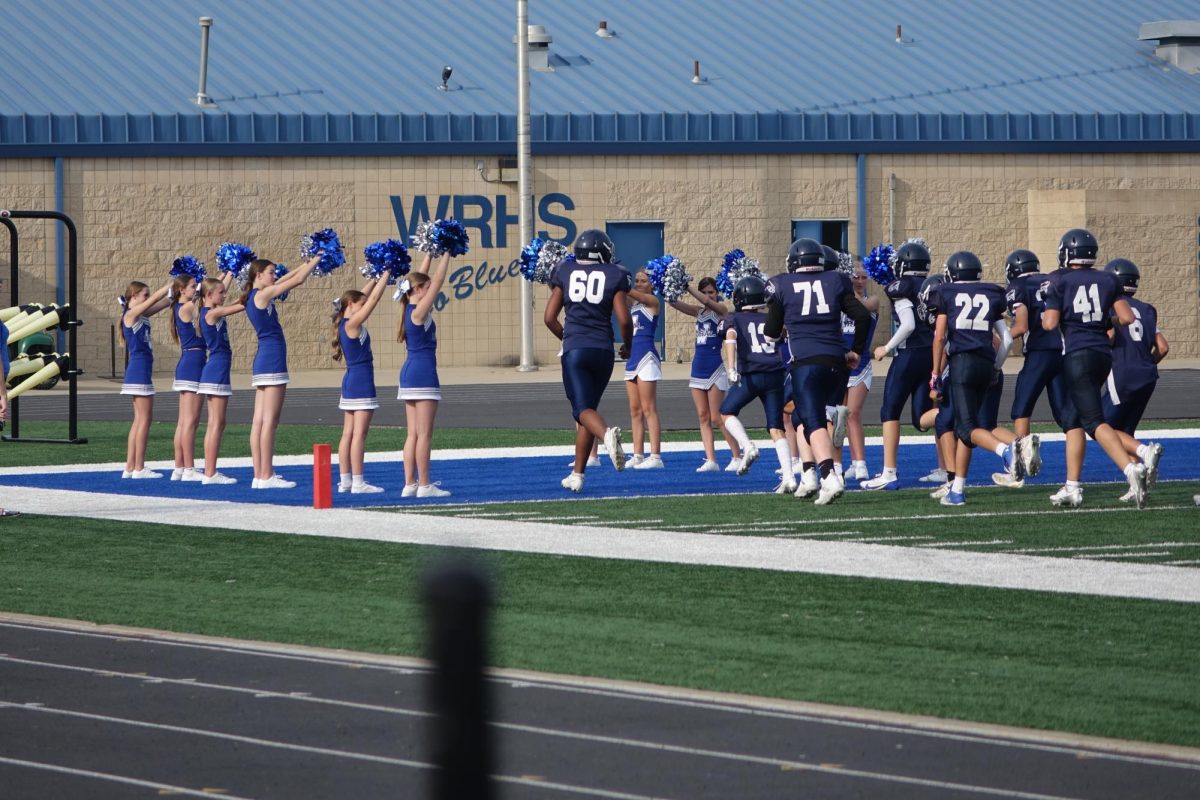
x: 269, y: 372
x: 214, y: 379
x: 352, y: 343
x: 708, y: 381
x: 859, y: 383
x: 187, y: 376
x: 419, y: 386
x: 643, y: 371
x: 138, y: 305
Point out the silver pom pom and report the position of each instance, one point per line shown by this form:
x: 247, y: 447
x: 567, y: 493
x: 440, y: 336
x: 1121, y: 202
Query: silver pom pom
x: 845, y: 263
x: 423, y: 238
x: 549, y: 257
x: 675, y: 280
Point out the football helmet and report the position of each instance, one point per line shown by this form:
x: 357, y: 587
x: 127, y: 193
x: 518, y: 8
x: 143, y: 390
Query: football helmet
x: 748, y: 292
x: 964, y: 266
x: 831, y: 257
x: 1020, y: 262
x: 1127, y: 272
x: 912, y: 259
x: 1077, y: 246
x: 594, y: 245
x: 806, y: 255
x: 926, y: 312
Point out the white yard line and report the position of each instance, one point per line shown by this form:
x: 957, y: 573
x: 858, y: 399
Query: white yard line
x: 998, y: 570
x: 969, y: 544
x: 1101, y: 547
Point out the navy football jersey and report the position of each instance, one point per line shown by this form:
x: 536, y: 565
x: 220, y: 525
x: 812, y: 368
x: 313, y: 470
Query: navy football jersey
x: 1133, y: 366
x: 1085, y: 298
x: 907, y: 288
x: 755, y: 352
x: 1029, y: 290
x: 812, y: 311
x: 588, y: 291
x: 970, y: 309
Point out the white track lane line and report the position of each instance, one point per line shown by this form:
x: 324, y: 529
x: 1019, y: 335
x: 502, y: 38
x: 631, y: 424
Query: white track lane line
x: 891, y: 562
x: 163, y: 788
x: 721, y: 755
x: 837, y: 716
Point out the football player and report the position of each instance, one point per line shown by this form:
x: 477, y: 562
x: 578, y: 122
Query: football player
x: 808, y: 302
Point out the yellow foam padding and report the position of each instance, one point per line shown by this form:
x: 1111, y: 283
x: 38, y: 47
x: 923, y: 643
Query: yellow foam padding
x: 36, y: 379
x: 34, y: 325
x: 8, y: 313
x: 23, y: 365
x: 19, y: 319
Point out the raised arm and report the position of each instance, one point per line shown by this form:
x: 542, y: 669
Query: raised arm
x: 151, y: 305
x: 211, y: 315
x: 648, y: 299
x: 436, y: 279
x: 374, y: 291
x: 289, y: 281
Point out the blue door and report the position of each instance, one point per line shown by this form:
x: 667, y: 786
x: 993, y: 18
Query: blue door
x: 636, y: 243
x: 834, y: 233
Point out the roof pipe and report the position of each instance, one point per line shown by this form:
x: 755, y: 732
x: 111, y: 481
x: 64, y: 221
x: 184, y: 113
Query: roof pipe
x: 202, y: 98
x: 524, y: 180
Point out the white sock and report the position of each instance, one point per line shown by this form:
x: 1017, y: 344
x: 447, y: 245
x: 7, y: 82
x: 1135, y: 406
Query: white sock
x: 1130, y: 469
x: 1000, y: 449
x: 345, y: 479
x: 959, y: 485
x: 859, y: 465
x: 357, y: 480
x: 785, y: 456
x: 837, y: 468
x: 738, y: 432
x: 1074, y: 485
x: 1141, y: 451
x: 889, y: 472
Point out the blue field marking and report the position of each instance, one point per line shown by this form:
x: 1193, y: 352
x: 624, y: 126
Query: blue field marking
x: 515, y: 479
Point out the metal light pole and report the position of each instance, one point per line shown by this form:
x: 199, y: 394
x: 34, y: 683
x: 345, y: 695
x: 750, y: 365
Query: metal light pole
x: 525, y: 180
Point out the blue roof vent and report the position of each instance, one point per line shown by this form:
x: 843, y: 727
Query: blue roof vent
x: 1178, y: 42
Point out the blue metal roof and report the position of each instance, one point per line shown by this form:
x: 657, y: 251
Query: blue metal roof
x: 360, y: 77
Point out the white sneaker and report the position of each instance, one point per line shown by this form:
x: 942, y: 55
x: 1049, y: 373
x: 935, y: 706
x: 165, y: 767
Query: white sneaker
x: 887, y: 483
x: 612, y: 443
x: 125, y: 474
x: 1154, y: 452
x: 734, y: 465
x: 255, y: 483
x: 344, y: 487
x: 143, y: 474
x: 944, y: 489
x: 748, y: 459
x: 859, y: 473
x: 276, y: 482
x: 432, y: 490
x: 840, y: 415
x: 650, y: 462
x: 1138, y: 484
x: 191, y: 475
x: 936, y: 476
x: 177, y: 474
x: 410, y: 489
x: 634, y: 460
x: 709, y: 466
x: 786, y: 486
x: 217, y: 479
x: 1072, y: 498
x: 831, y: 489
x: 573, y: 482
x: 365, y: 488
x: 809, y: 484
x: 1006, y: 480
x: 1031, y: 454
x: 593, y: 461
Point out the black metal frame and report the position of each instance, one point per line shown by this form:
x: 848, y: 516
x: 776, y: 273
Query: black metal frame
x: 72, y: 373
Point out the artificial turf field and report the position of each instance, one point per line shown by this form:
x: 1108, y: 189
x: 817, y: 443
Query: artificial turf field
x: 1100, y: 665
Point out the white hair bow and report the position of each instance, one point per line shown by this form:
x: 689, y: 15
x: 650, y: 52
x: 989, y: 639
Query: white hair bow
x: 403, y: 287
x: 337, y: 305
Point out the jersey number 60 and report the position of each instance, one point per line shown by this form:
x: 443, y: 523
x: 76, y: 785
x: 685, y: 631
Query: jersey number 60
x: 586, y: 285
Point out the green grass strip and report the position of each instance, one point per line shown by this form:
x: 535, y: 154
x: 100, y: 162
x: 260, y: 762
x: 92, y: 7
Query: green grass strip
x: 1093, y: 665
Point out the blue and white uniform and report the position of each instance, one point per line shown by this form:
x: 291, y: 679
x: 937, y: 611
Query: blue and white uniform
x: 140, y: 369
x: 588, y: 291
x: 4, y: 349
x: 358, y: 384
x: 214, y: 379
x: 270, y: 362
x: 418, y: 376
x: 761, y: 373
x: 707, y: 369
x: 971, y: 309
x: 1043, y: 349
x: 1134, y: 373
x: 862, y: 374
x: 643, y: 363
x: 191, y: 355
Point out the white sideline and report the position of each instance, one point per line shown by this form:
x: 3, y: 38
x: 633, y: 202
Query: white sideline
x: 564, y: 451
x: 1034, y: 573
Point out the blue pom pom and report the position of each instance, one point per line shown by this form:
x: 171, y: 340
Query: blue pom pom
x: 668, y: 276
x: 280, y: 271
x: 190, y: 266
x: 388, y: 257
x: 539, y: 258
x: 325, y: 240
x: 233, y: 257
x: 734, y: 267
x: 878, y: 264
x: 451, y: 237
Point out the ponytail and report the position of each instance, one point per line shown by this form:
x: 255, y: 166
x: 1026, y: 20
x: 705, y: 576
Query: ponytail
x: 131, y: 291
x: 339, y: 313
x: 256, y: 268
x: 414, y: 279
x: 181, y: 282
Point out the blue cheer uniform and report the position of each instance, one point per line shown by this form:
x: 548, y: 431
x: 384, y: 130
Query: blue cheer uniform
x: 4, y: 349
x: 761, y: 373
x: 864, y: 372
x: 643, y: 362
x: 214, y: 379
x: 1134, y: 373
x: 358, y: 384
x: 588, y: 292
x: 707, y: 369
x: 418, y: 376
x: 191, y: 355
x: 270, y: 361
x: 139, y: 371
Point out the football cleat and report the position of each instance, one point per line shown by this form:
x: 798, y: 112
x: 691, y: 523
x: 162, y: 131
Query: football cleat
x: 831, y: 489
x: 840, y: 415
x: 1006, y: 480
x: 786, y: 486
x: 612, y: 443
x: 1154, y: 452
x: 1012, y: 459
x: 1071, y: 498
x: 944, y: 489
x: 936, y: 476
x: 953, y: 498
x: 809, y: 484
x: 1031, y: 455
x: 1138, y: 484
x: 1128, y: 497
x: 573, y: 482
x: 748, y: 458
x: 882, y: 483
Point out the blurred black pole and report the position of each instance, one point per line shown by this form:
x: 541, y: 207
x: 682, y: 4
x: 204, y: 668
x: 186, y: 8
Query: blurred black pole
x: 457, y: 599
